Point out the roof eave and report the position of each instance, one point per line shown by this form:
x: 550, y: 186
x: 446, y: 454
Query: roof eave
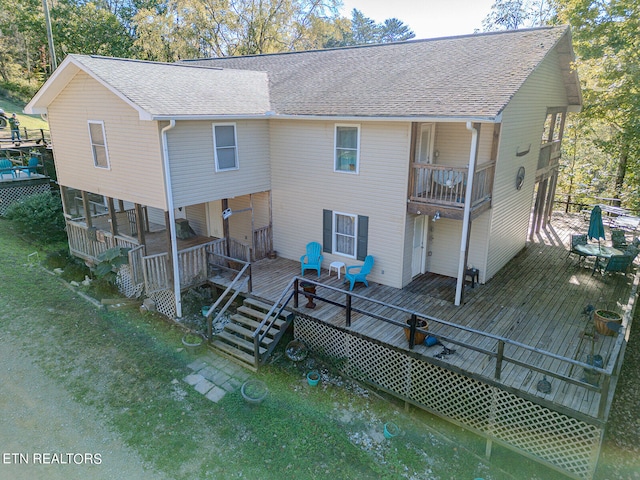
x: 336, y: 118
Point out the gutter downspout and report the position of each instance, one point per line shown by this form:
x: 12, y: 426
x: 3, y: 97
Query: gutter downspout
x: 172, y: 218
x: 466, y: 218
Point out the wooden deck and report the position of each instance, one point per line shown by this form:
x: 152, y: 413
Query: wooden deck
x: 536, y: 300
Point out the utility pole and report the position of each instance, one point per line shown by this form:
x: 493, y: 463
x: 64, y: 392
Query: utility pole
x: 47, y: 21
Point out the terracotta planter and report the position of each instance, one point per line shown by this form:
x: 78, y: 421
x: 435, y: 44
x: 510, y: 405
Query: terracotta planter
x: 420, y: 337
x: 602, y: 317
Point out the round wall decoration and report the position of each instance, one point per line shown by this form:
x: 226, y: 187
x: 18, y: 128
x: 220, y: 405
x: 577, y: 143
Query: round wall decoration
x: 520, y: 178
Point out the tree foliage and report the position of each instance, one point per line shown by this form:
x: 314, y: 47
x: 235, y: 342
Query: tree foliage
x: 604, y: 160
x: 39, y: 217
x: 170, y: 30
x: 514, y: 14
x: 607, y: 44
x: 365, y: 30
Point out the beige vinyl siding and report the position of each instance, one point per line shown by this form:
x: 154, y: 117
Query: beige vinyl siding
x: 261, y: 212
x: 445, y: 237
x: 304, y: 184
x: 197, y: 216
x: 453, y: 143
x: 523, y: 121
x: 240, y: 221
x: 192, y: 163
x: 135, y: 172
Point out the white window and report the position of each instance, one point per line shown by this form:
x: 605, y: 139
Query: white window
x: 347, y: 148
x: 98, y: 141
x: 345, y: 234
x: 225, y: 146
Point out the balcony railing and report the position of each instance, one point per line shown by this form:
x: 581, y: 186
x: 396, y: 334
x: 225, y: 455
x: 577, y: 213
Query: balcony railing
x: 446, y: 185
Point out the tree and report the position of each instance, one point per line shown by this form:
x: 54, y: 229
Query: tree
x: 514, y: 14
x: 606, y: 42
x: 393, y: 30
x: 365, y: 30
x: 196, y: 28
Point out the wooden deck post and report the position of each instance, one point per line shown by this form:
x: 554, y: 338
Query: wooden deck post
x: 412, y: 331
x: 112, y: 216
x: 140, y: 224
x: 87, y: 209
x: 499, y: 358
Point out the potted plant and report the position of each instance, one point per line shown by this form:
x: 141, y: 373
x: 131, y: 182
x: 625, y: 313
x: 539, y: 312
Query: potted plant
x: 254, y: 391
x: 420, y: 336
x: 602, y: 317
x: 192, y: 342
x: 313, y: 377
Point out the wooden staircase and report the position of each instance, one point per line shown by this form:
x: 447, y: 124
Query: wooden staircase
x: 236, y: 340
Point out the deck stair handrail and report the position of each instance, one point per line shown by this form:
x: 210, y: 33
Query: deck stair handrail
x: 269, y: 321
x: 236, y: 286
x: 498, y: 353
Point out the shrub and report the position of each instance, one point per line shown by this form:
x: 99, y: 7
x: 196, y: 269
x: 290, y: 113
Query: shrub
x: 39, y: 217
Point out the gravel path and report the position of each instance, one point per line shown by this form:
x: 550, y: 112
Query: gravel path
x: 42, y: 422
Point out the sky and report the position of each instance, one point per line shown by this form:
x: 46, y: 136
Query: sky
x: 427, y: 18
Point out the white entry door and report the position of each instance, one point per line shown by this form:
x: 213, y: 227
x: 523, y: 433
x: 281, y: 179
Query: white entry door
x: 419, y: 257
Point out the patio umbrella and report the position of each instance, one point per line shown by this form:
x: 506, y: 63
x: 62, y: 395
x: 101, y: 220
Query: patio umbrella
x: 596, y: 228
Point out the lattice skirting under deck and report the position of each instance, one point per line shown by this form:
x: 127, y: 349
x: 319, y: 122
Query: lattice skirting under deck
x: 19, y: 190
x: 559, y: 441
x: 125, y: 283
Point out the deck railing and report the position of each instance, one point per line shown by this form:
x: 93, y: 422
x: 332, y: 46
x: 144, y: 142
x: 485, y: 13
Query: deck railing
x: 262, y: 243
x: 88, y: 243
x: 192, y: 267
x: 500, y: 349
x: 446, y: 185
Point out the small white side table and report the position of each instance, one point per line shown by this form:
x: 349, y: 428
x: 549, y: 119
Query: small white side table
x: 337, y: 266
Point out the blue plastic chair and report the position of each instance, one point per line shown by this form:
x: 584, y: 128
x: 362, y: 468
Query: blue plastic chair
x: 313, y: 258
x: 360, y: 276
x: 32, y: 166
x: 6, y: 168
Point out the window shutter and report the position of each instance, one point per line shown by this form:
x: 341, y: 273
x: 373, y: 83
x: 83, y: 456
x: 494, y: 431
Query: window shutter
x: 363, y: 236
x: 327, y: 231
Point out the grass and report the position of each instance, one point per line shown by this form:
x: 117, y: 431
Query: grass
x: 30, y: 122
x: 129, y: 367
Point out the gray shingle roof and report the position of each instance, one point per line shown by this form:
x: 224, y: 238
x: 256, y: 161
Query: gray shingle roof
x: 467, y: 76
x: 162, y: 89
x: 472, y: 76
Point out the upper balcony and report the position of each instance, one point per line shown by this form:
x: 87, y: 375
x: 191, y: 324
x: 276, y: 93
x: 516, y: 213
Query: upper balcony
x: 442, y: 188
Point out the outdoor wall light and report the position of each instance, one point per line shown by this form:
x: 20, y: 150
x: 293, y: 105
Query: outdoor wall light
x: 436, y: 216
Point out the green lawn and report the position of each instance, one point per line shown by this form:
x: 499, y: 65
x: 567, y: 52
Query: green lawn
x: 30, y: 122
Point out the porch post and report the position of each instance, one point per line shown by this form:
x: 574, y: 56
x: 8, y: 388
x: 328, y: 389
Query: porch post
x: 140, y: 224
x: 112, y: 216
x: 225, y: 228
x: 466, y: 219
x: 66, y: 209
x: 87, y: 209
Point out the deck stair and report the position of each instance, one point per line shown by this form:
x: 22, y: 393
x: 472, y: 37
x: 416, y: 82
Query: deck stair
x: 236, y: 340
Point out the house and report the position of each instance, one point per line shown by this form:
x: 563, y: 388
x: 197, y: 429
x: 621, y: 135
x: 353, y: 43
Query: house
x: 430, y: 155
